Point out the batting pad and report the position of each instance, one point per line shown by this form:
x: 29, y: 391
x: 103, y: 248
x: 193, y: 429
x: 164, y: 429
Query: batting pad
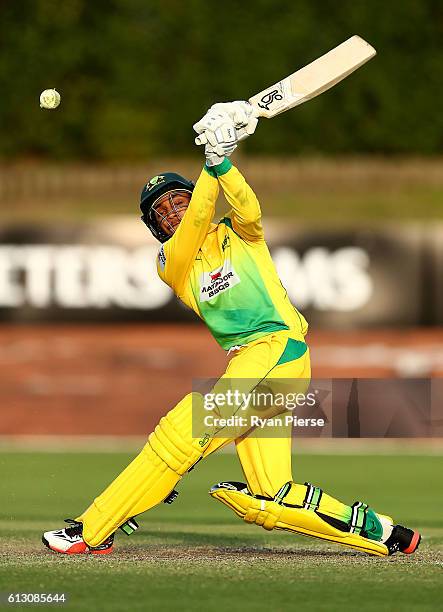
x: 169, y: 453
x: 271, y: 514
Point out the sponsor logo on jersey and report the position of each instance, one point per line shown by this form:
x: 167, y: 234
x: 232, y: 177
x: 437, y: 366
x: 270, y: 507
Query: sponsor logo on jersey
x: 161, y: 258
x: 217, y: 281
x: 225, y: 243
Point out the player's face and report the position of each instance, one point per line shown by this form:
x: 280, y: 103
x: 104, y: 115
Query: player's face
x: 170, y: 209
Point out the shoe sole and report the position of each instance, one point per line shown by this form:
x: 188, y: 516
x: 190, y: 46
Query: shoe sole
x: 415, y: 541
x: 88, y: 551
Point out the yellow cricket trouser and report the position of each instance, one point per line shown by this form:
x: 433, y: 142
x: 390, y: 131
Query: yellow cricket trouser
x: 174, y: 446
x: 266, y: 462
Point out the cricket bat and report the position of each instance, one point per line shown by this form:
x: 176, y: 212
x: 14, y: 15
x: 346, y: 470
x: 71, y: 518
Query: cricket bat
x: 311, y: 80
x: 315, y: 78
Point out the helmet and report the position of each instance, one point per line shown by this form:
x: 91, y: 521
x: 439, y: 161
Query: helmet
x: 152, y: 191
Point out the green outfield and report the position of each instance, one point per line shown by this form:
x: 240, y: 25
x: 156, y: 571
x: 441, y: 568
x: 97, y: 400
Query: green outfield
x: 196, y: 555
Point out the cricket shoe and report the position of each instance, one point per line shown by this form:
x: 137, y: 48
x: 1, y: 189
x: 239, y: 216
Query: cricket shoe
x: 403, y: 540
x: 69, y: 541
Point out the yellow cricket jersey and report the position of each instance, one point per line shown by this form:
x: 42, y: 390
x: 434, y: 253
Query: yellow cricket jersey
x: 224, y: 272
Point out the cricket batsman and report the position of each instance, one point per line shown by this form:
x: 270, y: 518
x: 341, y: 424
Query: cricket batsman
x: 224, y: 272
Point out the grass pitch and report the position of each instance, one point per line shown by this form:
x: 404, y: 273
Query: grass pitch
x: 197, y: 555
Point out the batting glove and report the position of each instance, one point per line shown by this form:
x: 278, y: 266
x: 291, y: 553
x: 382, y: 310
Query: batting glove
x: 240, y: 113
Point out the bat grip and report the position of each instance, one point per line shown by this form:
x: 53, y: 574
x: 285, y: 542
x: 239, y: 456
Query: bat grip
x: 241, y: 134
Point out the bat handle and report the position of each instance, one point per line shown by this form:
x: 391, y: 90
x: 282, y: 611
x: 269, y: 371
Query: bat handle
x: 201, y: 139
x: 241, y: 134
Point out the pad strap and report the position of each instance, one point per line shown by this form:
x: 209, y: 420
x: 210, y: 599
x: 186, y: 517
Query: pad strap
x: 312, y: 497
x: 358, y: 517
x: 281, y: 494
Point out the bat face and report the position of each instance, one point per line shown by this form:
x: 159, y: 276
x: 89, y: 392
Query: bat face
x: 313, y: 79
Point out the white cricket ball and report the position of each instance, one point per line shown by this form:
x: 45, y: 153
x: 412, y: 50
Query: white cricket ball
x: 50, y: 98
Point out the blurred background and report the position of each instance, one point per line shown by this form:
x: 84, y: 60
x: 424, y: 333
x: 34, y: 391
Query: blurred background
x: 351, y: 187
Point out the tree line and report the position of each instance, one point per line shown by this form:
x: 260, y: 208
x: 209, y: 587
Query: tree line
x: 134, y: 75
